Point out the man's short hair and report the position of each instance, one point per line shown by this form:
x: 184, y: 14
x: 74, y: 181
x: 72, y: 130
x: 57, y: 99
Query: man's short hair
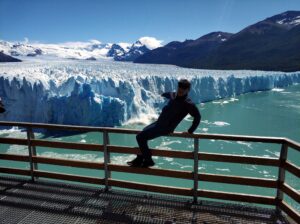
x: 184, y: 84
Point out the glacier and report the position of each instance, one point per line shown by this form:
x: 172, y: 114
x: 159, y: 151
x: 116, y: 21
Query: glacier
x: 108, y: 93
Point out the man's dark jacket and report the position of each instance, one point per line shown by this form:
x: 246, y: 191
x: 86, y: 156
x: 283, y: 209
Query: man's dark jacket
x: 176, y: 109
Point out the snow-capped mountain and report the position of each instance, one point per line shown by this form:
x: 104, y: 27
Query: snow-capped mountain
x: 93, y: 49
x: 140, y: 47
x: 289, y: 18
x: 136, y: 50
x: 115, y: 51
x: 19, y: 49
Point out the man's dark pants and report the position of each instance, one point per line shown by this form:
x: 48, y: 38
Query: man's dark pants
x: 150, y: 132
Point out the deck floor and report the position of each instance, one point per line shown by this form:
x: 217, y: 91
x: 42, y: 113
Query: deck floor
x: 43, y: 201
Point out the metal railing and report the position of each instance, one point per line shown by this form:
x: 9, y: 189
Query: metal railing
x: 278, y: 184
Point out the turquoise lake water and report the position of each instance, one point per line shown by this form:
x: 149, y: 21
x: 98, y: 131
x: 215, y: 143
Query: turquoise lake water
x: 269, y: 113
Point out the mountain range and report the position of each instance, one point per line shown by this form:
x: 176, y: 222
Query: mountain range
x: 91, y: 50
x: 271, y: 44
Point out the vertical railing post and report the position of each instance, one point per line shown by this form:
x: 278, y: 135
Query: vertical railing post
x: 29, y: 136
x: 106, y: 159
x: 33, y: 148
x: 281, y: 175
x: 195, y: 189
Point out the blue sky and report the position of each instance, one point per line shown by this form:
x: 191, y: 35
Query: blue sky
x: 56, y: 21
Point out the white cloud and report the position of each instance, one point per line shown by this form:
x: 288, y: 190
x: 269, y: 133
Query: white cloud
x: 26, y: 40
x: 94, y: 41
x: 151, y: 42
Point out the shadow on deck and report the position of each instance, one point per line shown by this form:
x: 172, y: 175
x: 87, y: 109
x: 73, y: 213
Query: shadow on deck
x: 42, y: 201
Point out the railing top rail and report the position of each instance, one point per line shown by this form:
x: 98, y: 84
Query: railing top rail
x: 131, y: 131
x: 51, y: 126
x: 292, y: 144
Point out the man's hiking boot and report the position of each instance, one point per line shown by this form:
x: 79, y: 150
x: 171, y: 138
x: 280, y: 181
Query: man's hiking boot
x: 137, y: 161
x: 147, y: 163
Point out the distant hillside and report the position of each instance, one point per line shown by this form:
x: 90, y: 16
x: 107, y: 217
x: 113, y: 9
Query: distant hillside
x: 7, y: 58
x: 272, y: 44
x: 183, y: 53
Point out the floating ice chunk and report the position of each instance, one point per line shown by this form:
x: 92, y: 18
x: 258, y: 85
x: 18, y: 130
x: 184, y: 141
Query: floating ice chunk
x: 188, y: 118
x: 122, y: 160
x: 17, y: 149
x: 73, y: 156
x: 277, y: 90
x: 223, y: 170
x: 233, y: 99
x: 169, y: 159
x: 142, y: 119
x: 163, y: 144
x: 185, y: 167
x: 248, y: 144
x: 221, y: 123
x: 271, y: 152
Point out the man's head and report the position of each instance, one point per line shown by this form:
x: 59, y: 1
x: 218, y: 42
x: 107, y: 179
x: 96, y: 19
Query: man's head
x: 183, y: 87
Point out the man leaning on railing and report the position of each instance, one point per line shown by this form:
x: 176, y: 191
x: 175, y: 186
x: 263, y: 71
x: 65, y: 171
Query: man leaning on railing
x: 172, y: 114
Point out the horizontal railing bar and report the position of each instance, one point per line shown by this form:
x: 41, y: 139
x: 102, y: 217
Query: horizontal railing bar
x: 292, y: 168
x: 292, y: 144
x: 67, y: 162
x: 13, y: 141
x: 155, y: 152
x: 52, y: 126
x: 122, y: 149
x: 239, y: 159
x: 14, y: 157
x: 67, y: 145
x: 278, y: 140
x: 260, y: 182
x: 151, y: 187
x: 152, y: 171
x: 14, y: 171
x: 290, y: 211
x: 237, y: 197
x: 294, y: 194
x: 69, y: 177
x: 130, y: 131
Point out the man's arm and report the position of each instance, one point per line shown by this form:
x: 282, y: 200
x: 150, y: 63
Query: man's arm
x: 194, y: 112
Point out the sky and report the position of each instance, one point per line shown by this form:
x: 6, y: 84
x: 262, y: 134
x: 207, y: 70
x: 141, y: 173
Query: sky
x: 114, y: 21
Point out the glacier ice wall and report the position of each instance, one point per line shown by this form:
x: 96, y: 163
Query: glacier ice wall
x: 111, y: 93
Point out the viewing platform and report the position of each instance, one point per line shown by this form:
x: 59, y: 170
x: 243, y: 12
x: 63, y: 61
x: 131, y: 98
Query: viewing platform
x: 37, y: 196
